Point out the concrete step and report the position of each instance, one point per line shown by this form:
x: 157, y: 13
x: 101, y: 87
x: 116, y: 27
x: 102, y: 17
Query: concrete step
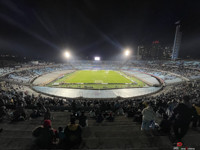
x: 192, y: 140
x: 120, y: 134
x: 16, y: 143
x: 123, y: 142
x: 16, y: 134
x: 87, y: 132
x: 100, y: 143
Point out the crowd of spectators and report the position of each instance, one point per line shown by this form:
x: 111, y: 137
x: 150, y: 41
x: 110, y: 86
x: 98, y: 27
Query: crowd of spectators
x: 182, y: 68
x: 5, y: 70
x: 26, y: 76
x: 179, y: 67
x: 169, y: 113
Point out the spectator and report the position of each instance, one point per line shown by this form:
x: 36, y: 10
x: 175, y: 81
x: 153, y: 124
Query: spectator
x: 196, y: 118
x: 2, y: 103
x: 110, y: 116
x: 99, y: 118
x: 35, y: 113
x: 19, y: 114
x: 172, y: 104
x: 44, y: 135
x: 47, y: 114
x: 92, y: 114
x: 2, y: 112
x: 197, y: 107
x: 61, y: 136
x: 148, y: 118
x: 73, y: 134
x: 182, y: 116
x: 137, y: 116
x: 83, y: 120
x: 120, y: 111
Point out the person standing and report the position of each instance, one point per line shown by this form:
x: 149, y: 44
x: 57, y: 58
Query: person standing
x: 148, y: 119
x: 181, y: 118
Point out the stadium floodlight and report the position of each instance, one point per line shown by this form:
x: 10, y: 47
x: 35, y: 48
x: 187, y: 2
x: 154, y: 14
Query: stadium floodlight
x: 97, y: 58
x: 127, y: 52
x: 67, y: 54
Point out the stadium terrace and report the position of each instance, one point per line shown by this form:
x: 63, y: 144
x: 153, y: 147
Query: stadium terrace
x: 104, y: 99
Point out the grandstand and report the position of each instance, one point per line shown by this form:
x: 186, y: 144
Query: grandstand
x: 164, y: 81
x: 99, y: 75
x: 147, y: 75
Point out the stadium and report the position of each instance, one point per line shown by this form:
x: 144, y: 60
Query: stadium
x: 93, y: 78
x: 79, y: 83
x: 95, y: 75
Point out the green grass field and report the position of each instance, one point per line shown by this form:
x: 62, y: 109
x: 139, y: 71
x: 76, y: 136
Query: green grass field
x: 97, y: 79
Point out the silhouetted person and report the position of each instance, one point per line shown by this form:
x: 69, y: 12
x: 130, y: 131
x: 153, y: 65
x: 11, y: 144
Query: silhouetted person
x: 182, y: 115
x: 19, y: 114
x: 47, y: 114
x: 44, y: 135
x: 196, y: 118
x: 73, y: 134
x: 2, y: 112
x: 61, y: 136
x: 99, y: 118
x: 83, y: 120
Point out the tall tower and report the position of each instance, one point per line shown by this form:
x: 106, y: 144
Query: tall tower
x: 177, y: 42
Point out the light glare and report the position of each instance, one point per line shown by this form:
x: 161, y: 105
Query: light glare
x: 97, y: 58
x: 127, y: 52
x: 67, y: 54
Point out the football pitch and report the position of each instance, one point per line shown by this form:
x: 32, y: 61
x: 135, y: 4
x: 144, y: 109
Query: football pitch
x: 96, y: 79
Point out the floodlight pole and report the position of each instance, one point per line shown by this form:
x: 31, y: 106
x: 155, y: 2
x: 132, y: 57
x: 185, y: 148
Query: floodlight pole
x: 177, y: 42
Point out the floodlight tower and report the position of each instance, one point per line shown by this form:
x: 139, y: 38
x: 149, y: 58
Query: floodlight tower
x: 177, y: 41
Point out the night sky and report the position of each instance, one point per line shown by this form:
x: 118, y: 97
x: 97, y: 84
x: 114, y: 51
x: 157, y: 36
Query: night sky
x: 44, y: 28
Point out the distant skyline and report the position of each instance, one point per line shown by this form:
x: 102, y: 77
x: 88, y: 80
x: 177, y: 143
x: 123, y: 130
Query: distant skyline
x: 44, y: 28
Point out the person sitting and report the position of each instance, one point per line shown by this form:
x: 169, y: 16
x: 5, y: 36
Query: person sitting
x: 196, y: 118
x: 2, y: 112
x: 92, y: 114
x: 73, y: 134
x: 19, y: 114
x: 44, y: 135
x: 83, y: 120
x: 130, y: 112
x: 137, y: 116
x: 99, y: 118
x: 35, y: 113
x: 110, y: 117
x: 47, y: 114
x: 61, y: 136
x: 120, y: 111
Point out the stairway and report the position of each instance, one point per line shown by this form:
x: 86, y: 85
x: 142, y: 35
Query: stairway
x: 123, y: 133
